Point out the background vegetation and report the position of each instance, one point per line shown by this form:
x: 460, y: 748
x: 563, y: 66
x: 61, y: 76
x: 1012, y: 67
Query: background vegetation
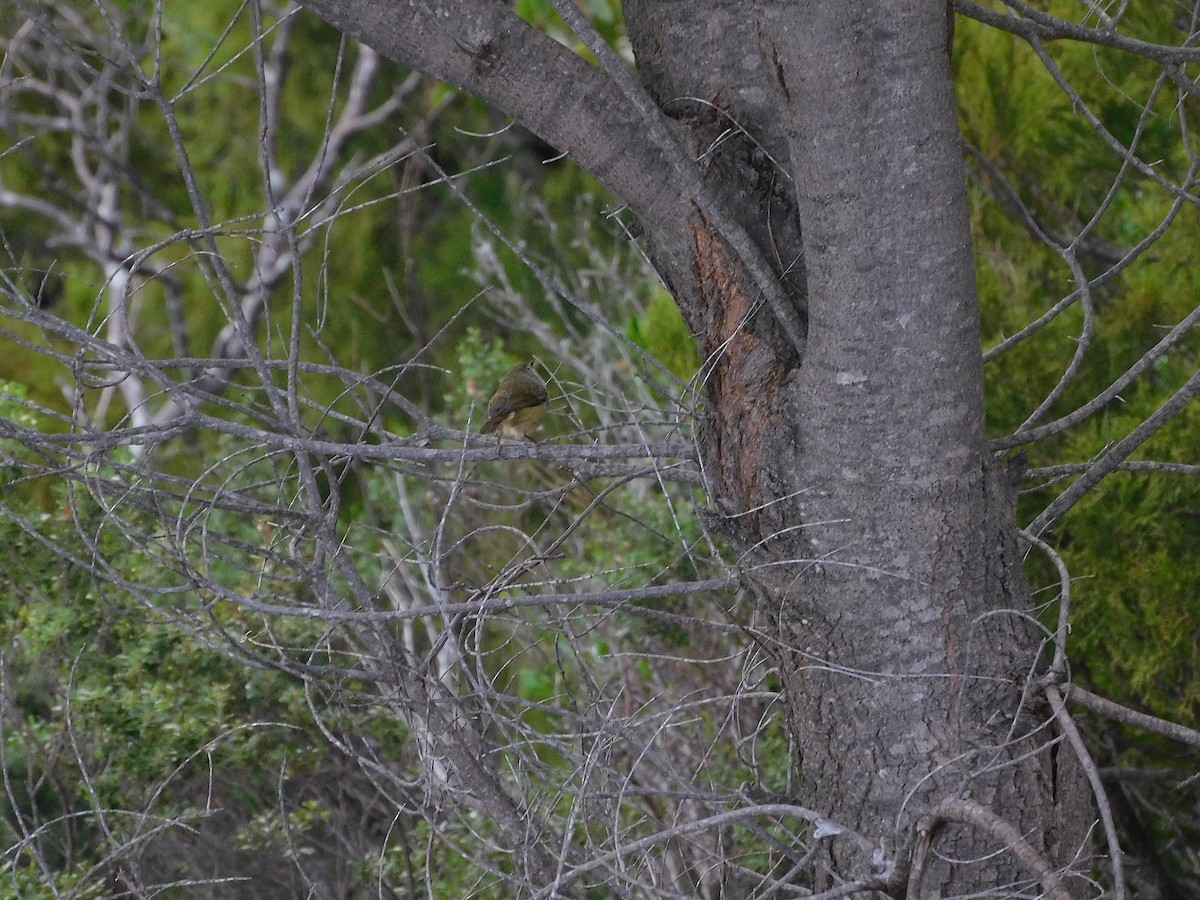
x: 165, y: 726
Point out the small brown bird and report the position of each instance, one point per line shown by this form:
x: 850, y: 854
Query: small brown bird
x: 519, y: 405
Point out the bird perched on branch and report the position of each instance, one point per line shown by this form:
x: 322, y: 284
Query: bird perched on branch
x: 517, y: 408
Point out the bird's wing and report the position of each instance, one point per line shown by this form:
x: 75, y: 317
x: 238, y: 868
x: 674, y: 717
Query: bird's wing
x: 504, y: 403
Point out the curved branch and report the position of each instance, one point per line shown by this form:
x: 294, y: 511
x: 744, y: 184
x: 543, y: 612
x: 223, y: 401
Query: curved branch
x: 486, y: 50
x: 967, y: 812
x: 1132, y: 717
x: 1142, y: 465
x: 1173, y: 337
x: 1118, y: 454
x: 685, y: 828
x: 1115, y: 854
x: 1040, y: 26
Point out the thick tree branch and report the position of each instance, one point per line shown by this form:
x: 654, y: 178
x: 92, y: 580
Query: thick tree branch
x: 748, y: 252
x: 486, y: 50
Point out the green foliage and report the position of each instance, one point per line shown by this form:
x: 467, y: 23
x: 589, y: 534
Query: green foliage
x: 605, y: 16
x: 146, y: 709
x: 481, y: 364
x: 16, y: 410
x: 662, y: 332
x: 120, y: 712
x: 1129, y: 546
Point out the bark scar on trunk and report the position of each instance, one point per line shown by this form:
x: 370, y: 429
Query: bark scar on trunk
x: 743, y: 382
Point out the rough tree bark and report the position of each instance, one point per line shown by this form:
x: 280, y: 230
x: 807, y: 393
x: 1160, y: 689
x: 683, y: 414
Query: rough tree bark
x: 843, y: 436
x: 909, y: 646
